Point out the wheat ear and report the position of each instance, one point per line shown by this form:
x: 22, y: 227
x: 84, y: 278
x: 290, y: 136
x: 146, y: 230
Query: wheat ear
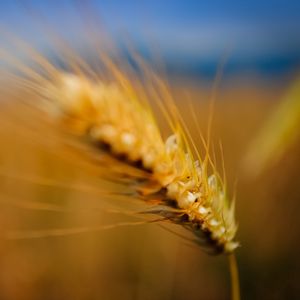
x: 112, y: 114
x: 279, y: 132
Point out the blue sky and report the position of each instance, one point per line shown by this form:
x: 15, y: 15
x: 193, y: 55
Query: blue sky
x: 188, y: 29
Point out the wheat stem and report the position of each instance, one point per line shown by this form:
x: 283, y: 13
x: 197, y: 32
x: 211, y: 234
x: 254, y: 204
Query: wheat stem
x: 234, y: 275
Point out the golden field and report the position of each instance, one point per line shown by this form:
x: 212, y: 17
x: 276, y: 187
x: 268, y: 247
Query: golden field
x: 41, y: 188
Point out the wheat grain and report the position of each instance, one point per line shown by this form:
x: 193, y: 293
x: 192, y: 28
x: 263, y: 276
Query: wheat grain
x: 111, y: 114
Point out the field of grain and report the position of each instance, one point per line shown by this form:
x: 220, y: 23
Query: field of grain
x: 42, y: 189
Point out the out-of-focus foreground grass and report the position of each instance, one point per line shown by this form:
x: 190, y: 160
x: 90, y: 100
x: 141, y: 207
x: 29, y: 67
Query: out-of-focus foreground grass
x: 148, y: 262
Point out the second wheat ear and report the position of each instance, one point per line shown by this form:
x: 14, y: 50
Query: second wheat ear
x: 112, y: 114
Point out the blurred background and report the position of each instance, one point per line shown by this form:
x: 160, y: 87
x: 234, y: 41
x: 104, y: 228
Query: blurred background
x: 256, y: 45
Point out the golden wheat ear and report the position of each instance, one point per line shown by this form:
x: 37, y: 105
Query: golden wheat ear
x: 111, y: 116
x: 115, y: 118
x: 106, y: 125
x: 279, y: 132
